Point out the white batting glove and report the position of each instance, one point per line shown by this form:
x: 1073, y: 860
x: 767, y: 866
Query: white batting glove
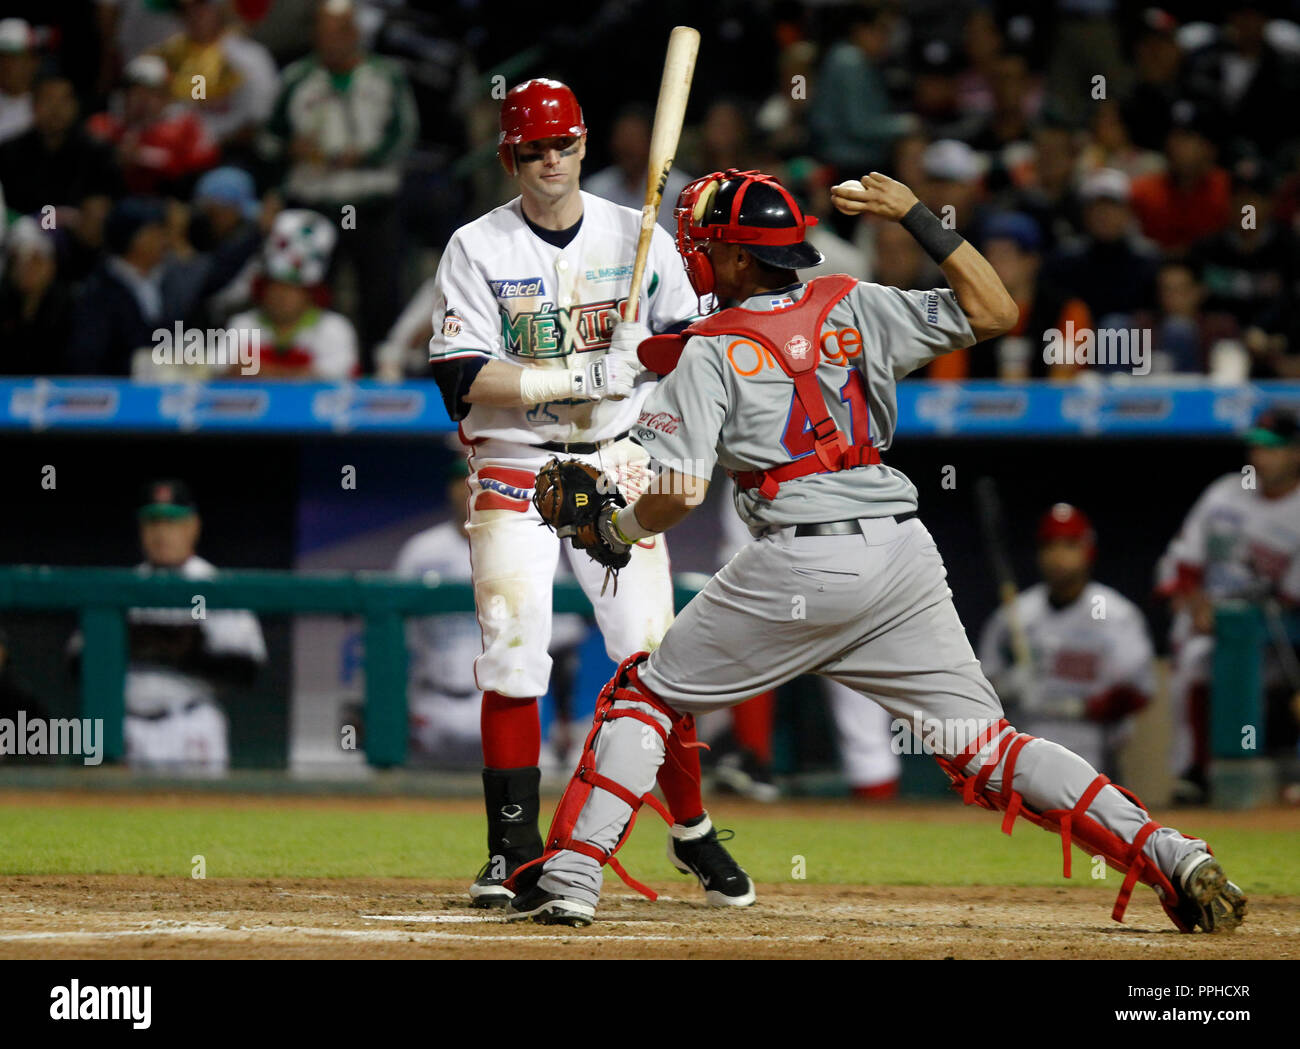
x: 627, y: 336
x: 608, y: 377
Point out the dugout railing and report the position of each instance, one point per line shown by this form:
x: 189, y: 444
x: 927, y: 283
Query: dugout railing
x: 101, y: 598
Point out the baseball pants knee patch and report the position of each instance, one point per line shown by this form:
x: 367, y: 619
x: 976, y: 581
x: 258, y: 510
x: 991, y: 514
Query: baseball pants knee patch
x: 997, y: 748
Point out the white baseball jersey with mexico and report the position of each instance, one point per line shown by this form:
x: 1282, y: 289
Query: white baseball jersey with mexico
x: 505, y: 293
x: 1093, y: 667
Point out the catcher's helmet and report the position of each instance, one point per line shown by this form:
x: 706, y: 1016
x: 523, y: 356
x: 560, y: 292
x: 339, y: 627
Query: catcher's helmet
x: 747, y: 208
x: 537, y: 109
x: 1064, y: 521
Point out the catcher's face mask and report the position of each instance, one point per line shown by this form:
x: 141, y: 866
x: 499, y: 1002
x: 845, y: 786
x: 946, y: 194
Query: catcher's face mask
x: 712, y: 208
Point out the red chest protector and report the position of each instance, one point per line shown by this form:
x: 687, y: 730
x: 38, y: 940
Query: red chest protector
x: 793, y: 337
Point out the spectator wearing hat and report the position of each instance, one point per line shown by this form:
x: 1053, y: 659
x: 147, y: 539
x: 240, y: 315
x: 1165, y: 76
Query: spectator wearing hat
x: 18, y: 64
x: 343, y: 124
x: 56, y: 163
x: 226, y: 228
x: 177, y: 664
x: 35, y: 304
x: 1109, y: 267
x: 298, y: 339
x: 122, y: 302
x: 1013, y: 244
x: 1189, y: 200
x: 952, y: 185
x: 160, y: 145
x: 1239, y: 542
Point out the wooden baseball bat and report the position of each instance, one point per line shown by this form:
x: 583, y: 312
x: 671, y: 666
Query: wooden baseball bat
x: 988, y: 505
x: 674, y: 89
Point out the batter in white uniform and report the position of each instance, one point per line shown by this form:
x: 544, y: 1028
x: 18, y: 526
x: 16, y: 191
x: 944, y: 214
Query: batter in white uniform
x: 1091, y: 661
x: 844, y: 580
x: 534, y: 360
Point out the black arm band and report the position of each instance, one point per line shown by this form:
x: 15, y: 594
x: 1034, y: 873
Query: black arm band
x: 454, y: 378
x: 930, y: 233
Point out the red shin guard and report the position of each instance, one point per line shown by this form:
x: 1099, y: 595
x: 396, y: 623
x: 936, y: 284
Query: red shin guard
x: 623, y: 686
x: 1073, y: 825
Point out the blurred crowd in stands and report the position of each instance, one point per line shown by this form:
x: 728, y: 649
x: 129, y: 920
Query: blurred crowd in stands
x: 295, y: 166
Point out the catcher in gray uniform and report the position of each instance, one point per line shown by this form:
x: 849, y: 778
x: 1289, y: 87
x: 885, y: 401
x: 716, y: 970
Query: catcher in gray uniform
x: 794, y: 393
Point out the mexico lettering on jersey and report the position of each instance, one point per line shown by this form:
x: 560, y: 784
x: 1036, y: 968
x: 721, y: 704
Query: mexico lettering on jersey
x: 1236, y: 542
x: 503, y: 292
x: 1097, y: 642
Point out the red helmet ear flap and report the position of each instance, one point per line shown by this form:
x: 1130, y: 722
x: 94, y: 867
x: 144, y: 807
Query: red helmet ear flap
x: 506, y: 154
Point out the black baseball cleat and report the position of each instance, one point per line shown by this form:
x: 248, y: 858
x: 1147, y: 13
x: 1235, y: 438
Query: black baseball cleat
x: 1206, y: 899
x: 547, y: 908
x: 489, y: 889
x: 698, y: 850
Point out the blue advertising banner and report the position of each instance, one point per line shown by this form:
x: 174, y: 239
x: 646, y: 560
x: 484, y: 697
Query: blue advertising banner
x: 925, y: 408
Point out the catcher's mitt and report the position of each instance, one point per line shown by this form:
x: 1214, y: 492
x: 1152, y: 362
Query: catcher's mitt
x: 570, y: 497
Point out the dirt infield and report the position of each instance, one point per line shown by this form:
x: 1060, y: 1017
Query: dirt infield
x: 115, y: 916
x: 120, y: 917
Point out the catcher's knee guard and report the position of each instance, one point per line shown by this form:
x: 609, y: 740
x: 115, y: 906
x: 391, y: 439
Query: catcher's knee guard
x: 626, y: 687
x: 1073, y: 824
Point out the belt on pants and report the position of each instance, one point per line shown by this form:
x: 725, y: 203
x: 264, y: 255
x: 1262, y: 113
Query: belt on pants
x: 853, y: 527
x: 580, y: 447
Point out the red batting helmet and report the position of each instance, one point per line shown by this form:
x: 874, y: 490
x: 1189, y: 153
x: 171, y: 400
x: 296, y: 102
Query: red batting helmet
x: 1064, y: 521
x: 537, y: 109
x: 747, y: 208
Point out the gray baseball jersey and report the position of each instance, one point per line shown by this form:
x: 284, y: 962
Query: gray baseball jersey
x: 870, y: 610
x: 871, y: 339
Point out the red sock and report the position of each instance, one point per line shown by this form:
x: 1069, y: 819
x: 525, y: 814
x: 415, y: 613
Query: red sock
x: 512, y: 733
x: 751, y: 724
x: 877, y: 791
x: 679, y: 776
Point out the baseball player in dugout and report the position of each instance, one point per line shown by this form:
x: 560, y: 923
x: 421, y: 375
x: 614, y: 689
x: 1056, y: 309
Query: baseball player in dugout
x: 843, y: 579
x: 174, y: 721
x: 535, y: 360
x: 1240, y: 541
x: 1091, y: 665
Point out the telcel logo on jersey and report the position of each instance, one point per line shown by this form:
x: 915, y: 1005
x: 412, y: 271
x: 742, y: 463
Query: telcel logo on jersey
x: 75, y: 1002
x: 523, y: 288
x: 213, y: 347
